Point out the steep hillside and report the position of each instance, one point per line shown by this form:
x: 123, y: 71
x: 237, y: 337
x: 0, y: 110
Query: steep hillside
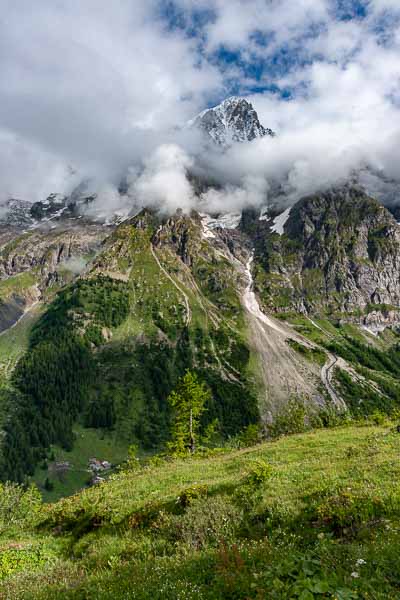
x: 336, y: 253
x: 108, y: 350
x: 273, y: 318
x: 308, y: 516
x: 328, y: 269
x: 32, y: 262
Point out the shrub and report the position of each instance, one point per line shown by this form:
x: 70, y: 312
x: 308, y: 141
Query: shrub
x: 345, y: 510
x: 259, y: 473
x: 291, y: 419
x: 16, y: 559
x: 206, y: 522
x: 330, y: 417
x: 250, y: 436
x: 378, y: 418
x: 18, y: 506
x: 190, y: 494
x: 249, y: 492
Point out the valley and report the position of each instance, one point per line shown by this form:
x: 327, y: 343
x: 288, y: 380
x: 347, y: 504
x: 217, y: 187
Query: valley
x: 200, y: 300
x: 151, y: 297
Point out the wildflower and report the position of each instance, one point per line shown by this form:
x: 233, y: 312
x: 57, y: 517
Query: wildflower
x: 355, y: 575
x: 360, y: 562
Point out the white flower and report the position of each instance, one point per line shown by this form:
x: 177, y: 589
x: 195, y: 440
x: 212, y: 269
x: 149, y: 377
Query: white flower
x: 355, y: 574
x: 360, y: 562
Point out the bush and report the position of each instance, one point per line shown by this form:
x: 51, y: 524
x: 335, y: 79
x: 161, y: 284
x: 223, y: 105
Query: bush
x: 330, y: 417
x: 13, y: 560
x: 259, y: 473
x: 206, y: 522
x: 345, y: 510
x: 190, y: 494
x: 19, y: 506
x: 250, y: 436
x: 249, y: 492
x: 291, y: 419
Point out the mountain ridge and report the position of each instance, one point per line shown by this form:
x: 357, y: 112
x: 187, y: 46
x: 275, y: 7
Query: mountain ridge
x: 161, y: 295
x: 271, y: 310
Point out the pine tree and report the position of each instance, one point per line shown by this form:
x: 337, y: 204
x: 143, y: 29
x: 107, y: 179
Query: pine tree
x: 188, y: 403
x: 48, y: 485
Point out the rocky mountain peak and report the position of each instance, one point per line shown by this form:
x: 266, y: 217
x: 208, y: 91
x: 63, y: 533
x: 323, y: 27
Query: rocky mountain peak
x: 339, y: 252
x: 234, y: 120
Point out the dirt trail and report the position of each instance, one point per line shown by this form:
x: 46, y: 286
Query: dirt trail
x: 327, y: 376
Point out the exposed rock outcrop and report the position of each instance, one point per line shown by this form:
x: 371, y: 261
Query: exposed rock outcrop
x: 339, y: 251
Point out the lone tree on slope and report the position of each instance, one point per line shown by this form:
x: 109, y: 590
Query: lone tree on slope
x: 188, y: 403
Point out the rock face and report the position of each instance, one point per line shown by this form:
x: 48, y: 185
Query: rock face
x: 33, y: 262
x: 16, y: 213
x: 56, y: 208
x: 234, y: 120
x: 339, y: 251
x: 45, y: 251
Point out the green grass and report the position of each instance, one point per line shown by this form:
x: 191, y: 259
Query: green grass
x: 17, y: 284
x: 318, y: 517
x: 89, y: 443
x: 14, y: 341
x: 312, y: 354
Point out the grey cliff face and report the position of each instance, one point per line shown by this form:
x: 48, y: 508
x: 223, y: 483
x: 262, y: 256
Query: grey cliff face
x: 33, y: 262
x: 340, y: 251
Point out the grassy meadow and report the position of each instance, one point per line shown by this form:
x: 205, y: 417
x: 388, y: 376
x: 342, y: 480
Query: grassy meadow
x: 313, y: 515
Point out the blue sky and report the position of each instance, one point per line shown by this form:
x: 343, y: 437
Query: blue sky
x: 261, y: 58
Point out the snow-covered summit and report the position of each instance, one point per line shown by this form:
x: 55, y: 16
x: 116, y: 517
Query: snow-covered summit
x: 234, y: 120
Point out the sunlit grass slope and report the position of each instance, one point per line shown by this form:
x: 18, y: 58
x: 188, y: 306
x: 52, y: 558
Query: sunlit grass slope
x: 308, y: 516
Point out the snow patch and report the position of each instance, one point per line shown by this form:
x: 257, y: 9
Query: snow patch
x: 234, y: 120
x: 251, y: 302
x: 207, y: 233
x: 225, y: 221
x: 264, y: 216
x: 280, y: 221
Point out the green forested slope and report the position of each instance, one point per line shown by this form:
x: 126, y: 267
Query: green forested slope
x: 111, y: 346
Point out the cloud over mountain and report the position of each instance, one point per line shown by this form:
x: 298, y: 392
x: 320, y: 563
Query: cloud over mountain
x: 94, y: 89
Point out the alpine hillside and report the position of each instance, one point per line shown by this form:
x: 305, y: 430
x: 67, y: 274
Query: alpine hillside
x: 284, y: 313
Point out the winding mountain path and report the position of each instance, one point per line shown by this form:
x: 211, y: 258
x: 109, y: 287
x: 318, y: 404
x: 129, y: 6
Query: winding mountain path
x: 327, y: 376
x: 184, y: 295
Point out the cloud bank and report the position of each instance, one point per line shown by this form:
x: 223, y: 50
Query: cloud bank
x: 100, y: 91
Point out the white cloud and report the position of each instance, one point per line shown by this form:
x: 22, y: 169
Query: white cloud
x: 252, y: 191
x: 84, y: 82
x: 101, y: 86
x: 163, y: 183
